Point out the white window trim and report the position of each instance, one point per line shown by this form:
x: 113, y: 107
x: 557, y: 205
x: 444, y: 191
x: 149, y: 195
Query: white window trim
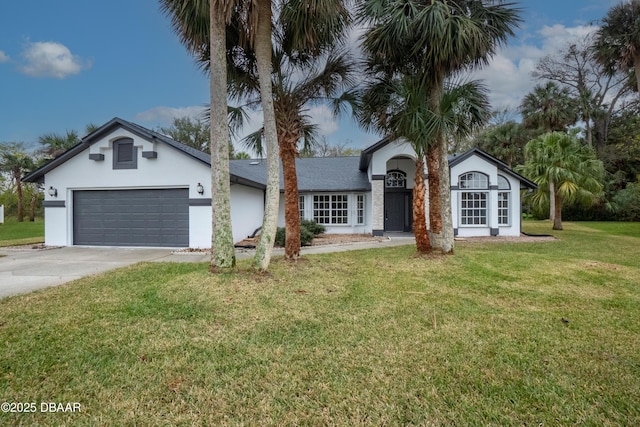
x: 487, y: 209
x: 352, y: 208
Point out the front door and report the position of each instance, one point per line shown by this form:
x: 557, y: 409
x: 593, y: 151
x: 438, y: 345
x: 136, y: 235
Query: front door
x: 397, y: 211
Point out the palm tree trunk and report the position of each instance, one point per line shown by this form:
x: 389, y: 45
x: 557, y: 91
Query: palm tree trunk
x: 32, y: 205
x: 288, y: 154
x: 447, y: 237
x: 423, y: 244
x: 557, y: 218
x: 552, y: 200
x: 435, y: 205
x: 16, y: 176
x: 262, y: 46
x: 222, y: 251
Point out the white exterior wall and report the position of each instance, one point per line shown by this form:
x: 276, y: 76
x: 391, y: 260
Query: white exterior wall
x: 171, y: 169
x: 477, y: 164
x: 378, y: 165
x: 247, y: 210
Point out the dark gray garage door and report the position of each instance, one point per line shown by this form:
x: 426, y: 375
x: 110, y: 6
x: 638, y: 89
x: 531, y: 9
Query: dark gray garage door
x: 131, y: 218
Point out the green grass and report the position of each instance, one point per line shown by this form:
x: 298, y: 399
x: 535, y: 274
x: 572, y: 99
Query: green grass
x: 378, y: 337
x: 14, y: 233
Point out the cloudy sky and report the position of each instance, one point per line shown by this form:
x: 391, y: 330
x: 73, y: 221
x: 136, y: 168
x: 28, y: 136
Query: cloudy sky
x: 67, y: 63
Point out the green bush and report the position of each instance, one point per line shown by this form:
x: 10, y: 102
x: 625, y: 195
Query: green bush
x: 306, y: 236
x: 312, y: 226
x: 628, y: 202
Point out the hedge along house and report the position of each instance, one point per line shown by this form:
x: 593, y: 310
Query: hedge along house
x: 125, y: 185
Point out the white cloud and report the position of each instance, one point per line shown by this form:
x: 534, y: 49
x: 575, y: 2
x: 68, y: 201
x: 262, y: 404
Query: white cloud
x: 322, y: 117
x: 165, y: 115
x: 508, y: 75
x: 4, y: 57
x: 51, y: 59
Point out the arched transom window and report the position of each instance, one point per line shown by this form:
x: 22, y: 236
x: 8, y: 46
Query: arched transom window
x: 503, y: 183
x: 396, y: 179
x: 473, y: 204
x: 473, y: 181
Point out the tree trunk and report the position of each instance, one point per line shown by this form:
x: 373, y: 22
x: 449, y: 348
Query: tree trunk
x: 557, y: 218
x: 16, y: 175
x: 552, y: 200
x: 32, y: 205
x: 447, y: 239
x: 262, y: 47
x: 435, y: 201
x: 423, y: 244
x: 223, y: 255
x: 636, y: 63
x: 288, y: 154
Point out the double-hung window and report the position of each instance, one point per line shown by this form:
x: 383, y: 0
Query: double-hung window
x: 473, y: 198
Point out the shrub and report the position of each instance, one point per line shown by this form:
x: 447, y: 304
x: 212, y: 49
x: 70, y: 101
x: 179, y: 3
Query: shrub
x: 628, y: 202
x: 312, y: 226
x: 306, y: 235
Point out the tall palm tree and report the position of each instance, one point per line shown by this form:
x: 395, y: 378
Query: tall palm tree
x: 549, y: 108
x: 617, y: 42
x: 558, y: 161
x: 296, y: 86
x: 312, y: 26
x: 434, y: 39
x: 201, y: 27
x: 396, y: 108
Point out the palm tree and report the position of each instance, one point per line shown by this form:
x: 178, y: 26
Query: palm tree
x: 505, y: 141
x: 549, y: 108
x: 433, y: 40
x: 559, y: 162
x: 324, y: 80
x: 617, y: 42
x: 396, y: 108
x: 16, y: 163
x: 55, y: 144
x: 250, y: 27
x: 201, y: 27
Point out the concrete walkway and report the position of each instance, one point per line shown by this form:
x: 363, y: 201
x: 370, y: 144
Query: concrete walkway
x: 24, y: 270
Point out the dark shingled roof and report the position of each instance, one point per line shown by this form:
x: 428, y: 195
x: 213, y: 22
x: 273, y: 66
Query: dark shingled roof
x: 314, y: 173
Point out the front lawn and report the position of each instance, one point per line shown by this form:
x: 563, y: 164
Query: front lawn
x: 544, y: 333
x: 14, y: 233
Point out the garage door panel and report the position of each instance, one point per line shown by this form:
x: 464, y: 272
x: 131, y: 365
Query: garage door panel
x: 131, y: 217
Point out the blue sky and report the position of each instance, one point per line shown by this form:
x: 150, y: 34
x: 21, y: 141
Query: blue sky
x: 67, y: 63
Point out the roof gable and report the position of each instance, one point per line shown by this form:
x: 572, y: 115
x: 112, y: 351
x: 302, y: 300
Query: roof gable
x: 101, y: 132
x: 503, y: 167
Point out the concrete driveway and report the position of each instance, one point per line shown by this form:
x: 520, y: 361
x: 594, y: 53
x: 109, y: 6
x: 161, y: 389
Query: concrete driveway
x: 25, y: 270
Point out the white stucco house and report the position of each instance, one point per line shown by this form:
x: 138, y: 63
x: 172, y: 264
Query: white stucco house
x: 125, y: 185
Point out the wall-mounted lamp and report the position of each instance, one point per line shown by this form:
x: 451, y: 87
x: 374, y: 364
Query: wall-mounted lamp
x: 200, y: 189
x: 53, y: 192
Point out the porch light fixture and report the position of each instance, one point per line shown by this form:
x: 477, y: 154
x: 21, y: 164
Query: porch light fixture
x: 200, y: 189
x: 53, y: 192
